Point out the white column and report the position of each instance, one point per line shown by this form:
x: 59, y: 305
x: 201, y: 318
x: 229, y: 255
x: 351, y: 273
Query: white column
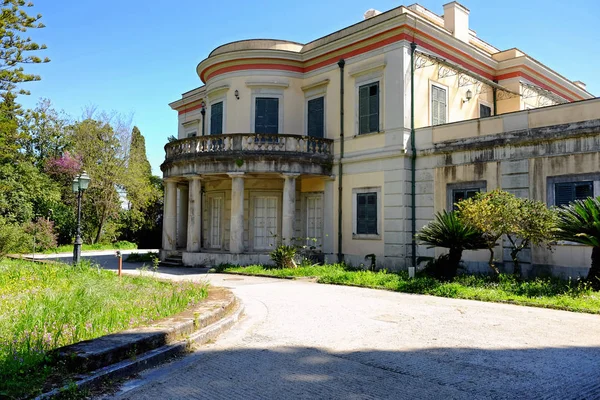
x: 236, y: 232
x: 288, y: 221
x: 194, y: 226
x: 329, y: 217
x: 182, y: 215
x: 170, y: 216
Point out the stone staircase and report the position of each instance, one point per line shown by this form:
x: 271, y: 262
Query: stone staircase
x: 173, y: 260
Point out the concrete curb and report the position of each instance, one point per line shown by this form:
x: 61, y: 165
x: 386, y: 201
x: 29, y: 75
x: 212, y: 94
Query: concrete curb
x: 212, y: 327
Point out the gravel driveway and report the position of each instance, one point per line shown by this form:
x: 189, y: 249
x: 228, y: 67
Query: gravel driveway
x: 301, y: 340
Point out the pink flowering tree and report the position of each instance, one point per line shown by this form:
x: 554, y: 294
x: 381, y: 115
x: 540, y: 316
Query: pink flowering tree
x: 65, y: 167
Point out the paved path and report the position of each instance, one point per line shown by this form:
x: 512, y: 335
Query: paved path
x: 300, y: 340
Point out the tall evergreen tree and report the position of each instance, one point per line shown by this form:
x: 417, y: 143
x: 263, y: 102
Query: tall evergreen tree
x: 16, y: 50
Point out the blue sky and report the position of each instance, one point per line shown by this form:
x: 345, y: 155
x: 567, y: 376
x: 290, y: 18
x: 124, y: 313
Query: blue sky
x: 134, y: 57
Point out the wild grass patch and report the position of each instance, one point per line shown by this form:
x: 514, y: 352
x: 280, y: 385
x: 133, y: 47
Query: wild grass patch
x: 571, y: 295
x: 46, y: 306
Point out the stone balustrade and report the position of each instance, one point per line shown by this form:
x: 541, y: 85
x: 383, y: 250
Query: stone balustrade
x: 248, y: 142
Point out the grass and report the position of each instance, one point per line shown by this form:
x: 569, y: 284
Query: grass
x: 46, y: 306
x: 555, y: 293
x: 141, y: 257
x: 68, y: 248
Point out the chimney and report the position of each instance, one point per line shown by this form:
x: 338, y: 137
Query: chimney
x: 456, y: 20
x: 370, y: 13
x: 580, y: 84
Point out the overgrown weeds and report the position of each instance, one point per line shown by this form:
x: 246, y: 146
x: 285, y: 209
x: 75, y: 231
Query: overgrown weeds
x: 571, y: 295
x: 46, y: 306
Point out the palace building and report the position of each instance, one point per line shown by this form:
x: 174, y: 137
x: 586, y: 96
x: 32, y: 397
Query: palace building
x: 357, y: 138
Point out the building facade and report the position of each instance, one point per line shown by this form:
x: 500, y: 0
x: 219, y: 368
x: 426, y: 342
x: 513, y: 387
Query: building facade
x: 356, y: 139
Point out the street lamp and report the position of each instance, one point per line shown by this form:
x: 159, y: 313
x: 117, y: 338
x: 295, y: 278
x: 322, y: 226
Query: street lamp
x: 80, y: 184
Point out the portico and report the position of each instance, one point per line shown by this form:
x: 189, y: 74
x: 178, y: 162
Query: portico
x: 276, y: 195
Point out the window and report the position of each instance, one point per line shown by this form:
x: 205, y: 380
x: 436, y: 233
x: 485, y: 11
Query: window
x: 266, y: 115
x: 459, y: 191
x: 366, y: 213
x: 566, y: 192
x: 438, y: 105
x: 316, y: 117
x: 216, y: 118
x: 215, y: 221
x: 484, y: 111
x: 463, y: 194
x: 368, y: 108
x: 191, y: 134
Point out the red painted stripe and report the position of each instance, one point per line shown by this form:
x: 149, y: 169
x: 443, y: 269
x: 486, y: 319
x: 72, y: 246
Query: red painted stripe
x: 232, y: 68
x: 187, y: 110
x: 517, y: 74
x: 203, y: 73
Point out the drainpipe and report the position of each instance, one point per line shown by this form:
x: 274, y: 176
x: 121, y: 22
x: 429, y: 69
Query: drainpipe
x: 340, y: 253
x: 494, y: 92
x: 413, y: 162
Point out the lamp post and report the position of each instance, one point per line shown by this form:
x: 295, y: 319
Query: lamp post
x: 203, y: 112
x: 80, y: 184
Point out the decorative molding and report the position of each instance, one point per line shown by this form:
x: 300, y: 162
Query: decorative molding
x: 272, y: 84
x: 371, y: 68
x: 217, y: 89
x: 315, y: 85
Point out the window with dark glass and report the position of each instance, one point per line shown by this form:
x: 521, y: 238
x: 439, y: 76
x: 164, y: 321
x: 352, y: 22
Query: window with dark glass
x: 485, y: 111
x: 266, y: 115
x: 191, y: 134
x: 368, y: 108
x: 438, y: 105
x: 216, y: 118
x: 366, y: 213
x: 463, y: 194
x: 566, y: 192
x: 316, y: 117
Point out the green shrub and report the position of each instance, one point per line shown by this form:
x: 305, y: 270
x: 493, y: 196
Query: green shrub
x: 12, y: 238
x: 283, y: 256
x: 42, y: 236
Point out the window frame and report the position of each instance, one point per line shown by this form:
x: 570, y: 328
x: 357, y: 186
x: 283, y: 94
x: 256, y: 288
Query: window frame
x: 355, y: 193
x: 210, y: 106
x: 307, y: 100
x: 367, y: 78
x: 268, y: 93
x: 551, y: 182
x: 208, y: 239
x: 485, y: 103
x: 445, y: 88
x: 369, y: 84
x: 467, y: 185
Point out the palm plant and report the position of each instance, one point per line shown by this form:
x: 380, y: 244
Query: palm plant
x: 449, y: 231
x: 580, y: 222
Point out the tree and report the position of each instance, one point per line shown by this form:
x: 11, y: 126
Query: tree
x: 16, y: 50
x: 580, y: 222
x: 44, y: 132
x: 490, y: 213
x: 523, y: 221
x: 533, y: 224
x: 99, y: 146
x: 449, y: 231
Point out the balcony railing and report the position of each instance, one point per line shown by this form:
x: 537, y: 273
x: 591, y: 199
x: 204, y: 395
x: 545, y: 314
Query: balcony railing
x: 248, y: 142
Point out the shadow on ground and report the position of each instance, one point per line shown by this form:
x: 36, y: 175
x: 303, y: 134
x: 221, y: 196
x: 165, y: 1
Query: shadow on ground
x: 433, y: 373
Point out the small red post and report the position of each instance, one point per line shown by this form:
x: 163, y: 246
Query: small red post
x: 120, y: 257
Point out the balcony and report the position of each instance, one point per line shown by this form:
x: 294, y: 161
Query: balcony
x: 248, y: 152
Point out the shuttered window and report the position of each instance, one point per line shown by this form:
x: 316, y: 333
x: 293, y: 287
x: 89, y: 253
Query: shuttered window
x: 316, y: 117
x: 566, y: 192
x: 438, y: 105
x: 266, y: 115
x: 216, y: 118
x: 484, y: 111
x: 366, y: 213
x: 368, y: 108
x: 463, y: 194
